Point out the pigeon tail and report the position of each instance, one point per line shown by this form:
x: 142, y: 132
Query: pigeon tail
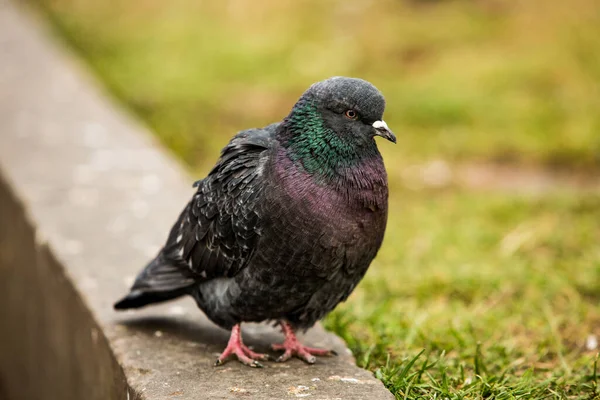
x: 138, y: 298
x: 159, y: 281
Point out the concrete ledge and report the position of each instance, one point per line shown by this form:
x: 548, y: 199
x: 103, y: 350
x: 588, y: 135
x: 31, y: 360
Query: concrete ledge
x: 86, y: 197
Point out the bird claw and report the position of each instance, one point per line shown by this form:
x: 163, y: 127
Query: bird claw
x: 256, y: 364
x: 243, y: 358
x: 256, y: 356
x: 291, y: 346
x: 244, y: 354
x: 296, y: 349
x: 251, y: 363
x: 309, y: 359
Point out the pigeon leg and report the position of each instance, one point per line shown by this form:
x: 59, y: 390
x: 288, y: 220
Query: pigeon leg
x: 241, y: 351
x: 292, y: 347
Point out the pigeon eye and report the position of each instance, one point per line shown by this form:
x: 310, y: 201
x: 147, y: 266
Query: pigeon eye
x: 351, y: 114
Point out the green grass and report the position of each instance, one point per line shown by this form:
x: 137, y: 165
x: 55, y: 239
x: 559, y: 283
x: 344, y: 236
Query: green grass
x: 473, y: 295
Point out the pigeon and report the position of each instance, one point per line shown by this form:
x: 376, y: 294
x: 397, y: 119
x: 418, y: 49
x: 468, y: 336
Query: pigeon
x: 286, y: 223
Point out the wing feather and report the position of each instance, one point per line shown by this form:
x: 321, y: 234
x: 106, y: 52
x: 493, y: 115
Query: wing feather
x: 217, y: 232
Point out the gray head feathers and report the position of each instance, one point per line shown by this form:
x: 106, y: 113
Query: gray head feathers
x: 340, y: 93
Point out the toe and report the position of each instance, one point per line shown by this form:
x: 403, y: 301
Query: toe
x: 247, y: 360
x: 285, y: 356
x: 306, y: 356
x: 222, y: 358
x: 256, y: 356
x: 255, y: 364
x: 320, y: 352
x: 278, y: 347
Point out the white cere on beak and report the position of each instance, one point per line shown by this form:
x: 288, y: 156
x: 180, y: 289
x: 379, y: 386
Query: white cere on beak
x: 380, y: 125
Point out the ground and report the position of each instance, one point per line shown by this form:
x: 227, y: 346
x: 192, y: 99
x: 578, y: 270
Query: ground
x: 480, y: 290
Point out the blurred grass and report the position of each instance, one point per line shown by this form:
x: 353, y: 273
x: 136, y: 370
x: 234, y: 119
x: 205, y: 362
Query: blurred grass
x: 500, y: 290
x: 500, y: 80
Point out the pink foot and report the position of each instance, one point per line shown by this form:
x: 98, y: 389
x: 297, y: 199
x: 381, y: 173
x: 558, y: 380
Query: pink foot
x: 241, y: 351
x: 292, y: 347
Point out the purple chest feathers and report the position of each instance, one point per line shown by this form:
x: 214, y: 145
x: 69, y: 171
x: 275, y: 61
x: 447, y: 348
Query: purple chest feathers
x: 351, y: 207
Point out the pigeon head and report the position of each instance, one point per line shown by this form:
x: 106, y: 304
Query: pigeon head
x: 334, y: 123
x: 350, y: 106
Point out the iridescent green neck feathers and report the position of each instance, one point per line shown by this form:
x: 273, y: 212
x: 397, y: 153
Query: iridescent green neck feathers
x: 316, y: 147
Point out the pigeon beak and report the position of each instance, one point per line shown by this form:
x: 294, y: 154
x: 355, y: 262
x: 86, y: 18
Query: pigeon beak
x: 382, y: 130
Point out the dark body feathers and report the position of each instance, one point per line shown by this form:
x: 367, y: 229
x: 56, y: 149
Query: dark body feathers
x: 266, y: 238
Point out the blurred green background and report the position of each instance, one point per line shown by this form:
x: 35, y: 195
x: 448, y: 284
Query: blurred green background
x: 498, y: 284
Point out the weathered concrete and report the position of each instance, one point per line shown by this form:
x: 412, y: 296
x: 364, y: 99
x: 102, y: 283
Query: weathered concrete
x: 86, y: 197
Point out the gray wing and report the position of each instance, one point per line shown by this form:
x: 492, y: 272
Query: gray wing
x: 216, y: 234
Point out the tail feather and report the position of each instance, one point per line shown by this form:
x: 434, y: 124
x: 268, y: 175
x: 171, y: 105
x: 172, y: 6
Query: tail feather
x: 138, y: 298
x: 160, y: 281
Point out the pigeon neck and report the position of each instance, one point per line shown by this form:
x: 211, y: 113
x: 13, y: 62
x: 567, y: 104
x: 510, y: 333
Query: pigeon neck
x: 317, y: 148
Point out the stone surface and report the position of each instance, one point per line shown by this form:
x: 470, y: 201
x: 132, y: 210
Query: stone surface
x: 86, y: 198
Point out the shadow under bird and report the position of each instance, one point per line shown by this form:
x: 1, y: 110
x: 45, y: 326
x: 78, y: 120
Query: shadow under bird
x: 285, y: 225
